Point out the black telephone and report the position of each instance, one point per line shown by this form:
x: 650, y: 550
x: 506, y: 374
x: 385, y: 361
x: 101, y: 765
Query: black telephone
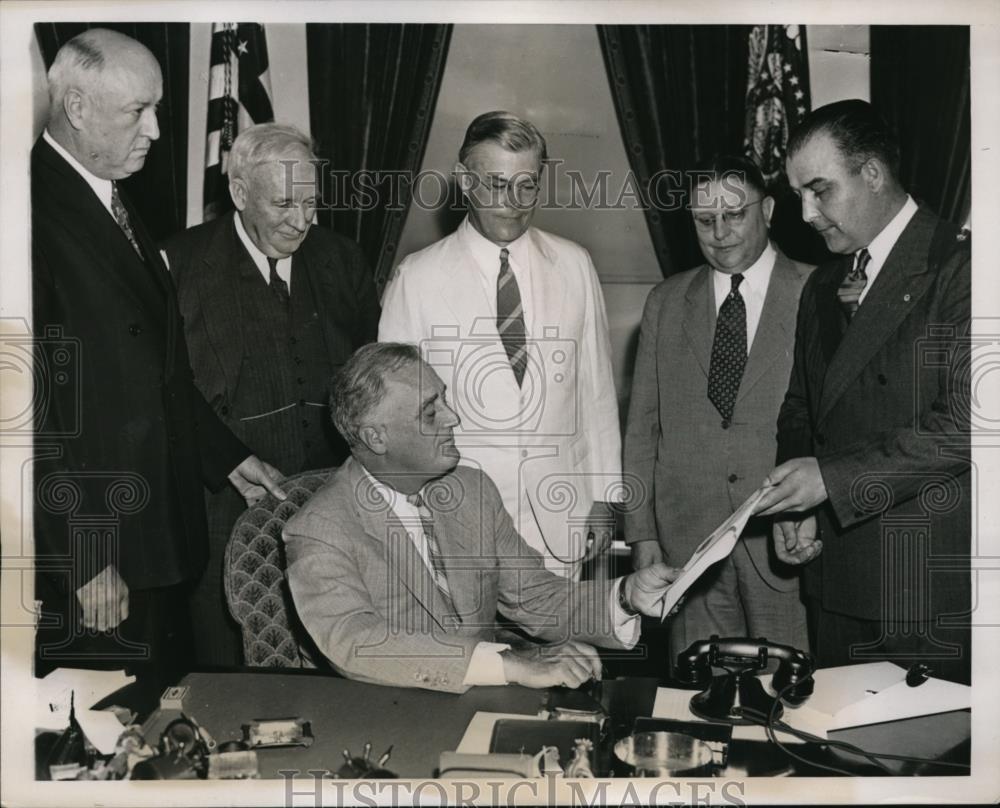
x: 743, y: 658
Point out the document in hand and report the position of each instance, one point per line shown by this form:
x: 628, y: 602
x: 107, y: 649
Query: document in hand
x: 715, y: 548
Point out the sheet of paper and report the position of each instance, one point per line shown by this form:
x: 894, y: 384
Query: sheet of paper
x: 715, y: 548
x: 872, y: 693
x: 102, y: 729
x: 52, y: 694
x: 674, y: 703
x: 476, y: 740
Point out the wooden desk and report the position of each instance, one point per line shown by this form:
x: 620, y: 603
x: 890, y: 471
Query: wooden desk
x: 420, y: 724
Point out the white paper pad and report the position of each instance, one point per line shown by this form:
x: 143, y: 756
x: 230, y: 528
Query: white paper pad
x: 715, y: 548
x: 858, y: 695
x: 101, y: 727
x: 674, y: 703
x: 88, y: 687
x: 479, y: 733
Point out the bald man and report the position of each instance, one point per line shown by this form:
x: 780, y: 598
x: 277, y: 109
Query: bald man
x: 124, y: 441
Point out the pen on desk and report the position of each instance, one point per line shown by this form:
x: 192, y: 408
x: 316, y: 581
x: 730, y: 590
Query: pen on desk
x: 385, y: 756
x: 368, y: 751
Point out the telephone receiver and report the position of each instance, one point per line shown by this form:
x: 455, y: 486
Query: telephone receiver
x: 743, y: 658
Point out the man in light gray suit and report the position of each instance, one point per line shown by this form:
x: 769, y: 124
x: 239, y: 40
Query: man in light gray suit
x: 714, y: 357
x: 399, y: 564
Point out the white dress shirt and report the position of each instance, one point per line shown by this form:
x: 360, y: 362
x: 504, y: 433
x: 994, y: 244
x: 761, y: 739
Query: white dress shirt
x: 283, y: 267
x: 520, y: 255
x: 102, y: 188
x: 883, y: 243
x: 486, y: 665
x: 753, y: 289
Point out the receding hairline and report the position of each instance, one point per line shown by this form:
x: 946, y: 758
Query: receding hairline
x: 95, y: 56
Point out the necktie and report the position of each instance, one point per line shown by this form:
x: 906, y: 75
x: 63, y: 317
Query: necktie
x: 849, y: 291
x: 729, y: 351
x: 278, y: 285
x: 437, y: 566
x: 121, y: 216
x: 510, y: 318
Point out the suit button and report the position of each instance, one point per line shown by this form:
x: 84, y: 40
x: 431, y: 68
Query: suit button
x: 302, y: 402
x: 135, y: 329
x: 725, y: 423
x: 882, y: 379
x: 224, y: 410
x: 305, y: 423
x: 300, y: 380
x: 294, y: 341
x: 820, y: 440
x: 733, y: 478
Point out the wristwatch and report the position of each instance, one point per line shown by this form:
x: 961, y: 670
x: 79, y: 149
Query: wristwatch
x: 623, y: 603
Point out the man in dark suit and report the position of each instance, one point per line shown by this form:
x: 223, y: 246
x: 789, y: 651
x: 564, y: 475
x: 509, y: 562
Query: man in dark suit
x: 873, y: 488
x: 272, y: 307
x: 715, y: 351
x: 124, y: 441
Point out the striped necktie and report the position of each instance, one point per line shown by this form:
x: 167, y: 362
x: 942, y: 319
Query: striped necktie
x: 437, y: 565
x: 849, y: 291
x: 121, y: 216
x: 510, y: 318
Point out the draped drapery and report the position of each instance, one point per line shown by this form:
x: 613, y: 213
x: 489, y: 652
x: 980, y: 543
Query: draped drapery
x: 372, y: 93
x: 679, y: 91
x: 159, y: 190
x: 920, y: 84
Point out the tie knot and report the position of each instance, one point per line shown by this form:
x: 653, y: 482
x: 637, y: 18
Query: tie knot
x: 272, y: 263
x: 416, y: 500
x: 736, y: 280
x: 504, y: 254
x: 861, y: 263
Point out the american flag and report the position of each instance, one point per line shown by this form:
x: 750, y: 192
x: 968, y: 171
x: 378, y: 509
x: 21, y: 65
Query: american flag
x: 239, y: 94
x: 777, y: 93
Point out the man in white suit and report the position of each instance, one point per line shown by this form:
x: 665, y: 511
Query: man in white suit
x: 512, y: 319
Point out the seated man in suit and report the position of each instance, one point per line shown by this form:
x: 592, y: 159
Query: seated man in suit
x: 272, y: 306
x: 399, y: 564
x: 513, y: 319
x: 715, y: 351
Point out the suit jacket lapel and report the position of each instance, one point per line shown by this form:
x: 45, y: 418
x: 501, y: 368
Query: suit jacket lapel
x: 777, y: 319
x: 831, y: 318
x: 402, y: 558
x: 900, y: 284
x: 312, y: 267
x: 218, y: 289
x: 699, y: 317
x: 547, y: 296
x: 464, y: 292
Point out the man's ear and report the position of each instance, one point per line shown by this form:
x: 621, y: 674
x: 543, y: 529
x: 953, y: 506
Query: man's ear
x: 767, y: 208
x: 75, y: 107
x: 374, y: 439
x: 239, y: 191
x: 874, y: 173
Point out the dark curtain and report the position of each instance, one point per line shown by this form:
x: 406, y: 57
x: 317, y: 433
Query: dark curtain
x: 920, y: 84
x: 372, y: 93
x: 679, y: 91
x: 159, y: 191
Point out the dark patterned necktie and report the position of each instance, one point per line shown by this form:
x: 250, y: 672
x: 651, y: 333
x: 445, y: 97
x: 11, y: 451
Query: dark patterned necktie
x: 437, y: 565
x: 277, y: 283
x: 849, y: 291
x: 121, y: 216
x: 510, y: 318
x: 729, y: 351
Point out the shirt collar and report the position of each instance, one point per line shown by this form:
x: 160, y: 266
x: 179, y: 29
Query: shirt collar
x: 755, y: 277
x: 102, y: 188
x: 487, y: 254
x: 258, y: 257
x: 882, y: 244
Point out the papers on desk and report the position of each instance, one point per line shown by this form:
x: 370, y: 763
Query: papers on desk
x: 872, y: 693
x: 715, y: 548
x: 52, y: 703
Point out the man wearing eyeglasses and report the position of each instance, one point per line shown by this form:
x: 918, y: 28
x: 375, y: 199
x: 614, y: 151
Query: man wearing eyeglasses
x: 512, y: 319
x: 714, y: 356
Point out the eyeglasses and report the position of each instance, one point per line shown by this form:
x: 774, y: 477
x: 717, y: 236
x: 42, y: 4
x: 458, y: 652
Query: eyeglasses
x: 732, y: 218
x: 520, y: 191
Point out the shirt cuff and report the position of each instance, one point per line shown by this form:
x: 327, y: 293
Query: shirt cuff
x: 486, y: 665
x: 626, y: 626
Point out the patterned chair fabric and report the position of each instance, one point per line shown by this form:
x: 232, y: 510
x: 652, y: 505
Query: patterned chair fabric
x: 256, y: 587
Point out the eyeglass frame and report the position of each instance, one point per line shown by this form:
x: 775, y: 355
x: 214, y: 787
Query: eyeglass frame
x: 508, y: 186
x: 728, y: 216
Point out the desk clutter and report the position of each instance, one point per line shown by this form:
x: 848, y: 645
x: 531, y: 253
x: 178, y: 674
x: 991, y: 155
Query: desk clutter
x: 168, y: 745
